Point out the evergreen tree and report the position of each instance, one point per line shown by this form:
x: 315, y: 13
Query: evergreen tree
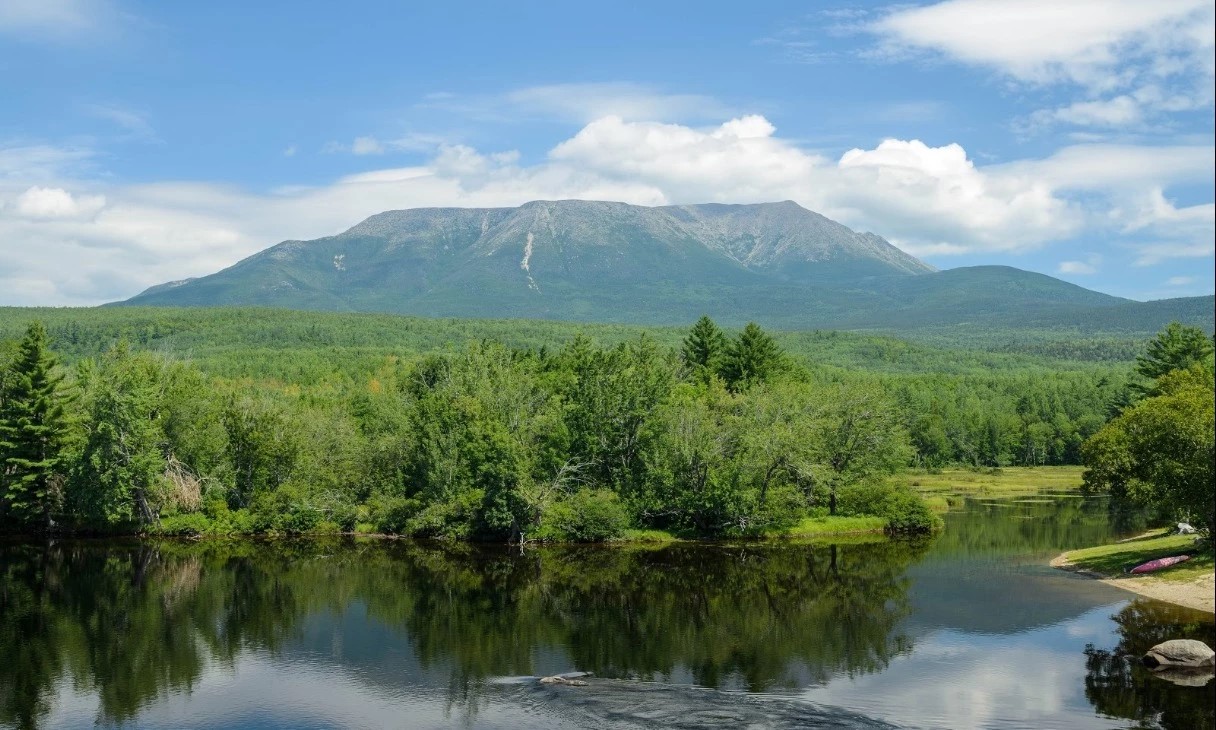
x: 32, y: 430
x: 704, y: 346
x: 1177, y: 347
x: 751, y: 358
x: 121, y: 466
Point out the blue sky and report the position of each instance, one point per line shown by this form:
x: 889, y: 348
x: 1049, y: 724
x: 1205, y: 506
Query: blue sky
x: 142, y: 142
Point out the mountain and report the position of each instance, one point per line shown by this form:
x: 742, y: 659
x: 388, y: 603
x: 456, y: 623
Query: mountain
x: 776, y: 263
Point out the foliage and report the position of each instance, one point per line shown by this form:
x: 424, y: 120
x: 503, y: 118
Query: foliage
x: 303, y: 421
x: 588, y: 515
x: 903, y: 509
x: 33, y: 429
x: 1160, y: 451
x: 751, y: 358
x: 704, y: 347
x: 119, y: 475
x: 1176, y: 347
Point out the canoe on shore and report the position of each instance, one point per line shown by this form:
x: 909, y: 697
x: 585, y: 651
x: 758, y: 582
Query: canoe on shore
x: 1159, y: 563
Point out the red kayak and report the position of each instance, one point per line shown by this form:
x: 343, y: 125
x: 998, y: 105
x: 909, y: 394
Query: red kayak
x: 1159, y: 563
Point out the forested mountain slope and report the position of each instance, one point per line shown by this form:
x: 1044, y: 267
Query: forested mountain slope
x: 775, y: 263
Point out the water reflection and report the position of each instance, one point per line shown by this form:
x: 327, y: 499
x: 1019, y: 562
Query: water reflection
x: 136, y: 624
x: 971, y: 630
x: 1119, y: 686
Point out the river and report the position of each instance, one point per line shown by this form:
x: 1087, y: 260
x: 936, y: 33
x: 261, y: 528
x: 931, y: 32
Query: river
x: 968, y: 630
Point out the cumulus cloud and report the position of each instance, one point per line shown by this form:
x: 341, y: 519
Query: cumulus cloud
x: 929, y: 200
x: 56, y: 203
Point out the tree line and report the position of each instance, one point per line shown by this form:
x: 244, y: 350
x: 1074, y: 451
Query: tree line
x: 722, y: 436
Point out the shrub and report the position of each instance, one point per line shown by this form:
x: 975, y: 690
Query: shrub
x: 390, y: 515
x: 904, y: 509
x: 184, y: 525
x: 588, y: 515
x: 344, y: 517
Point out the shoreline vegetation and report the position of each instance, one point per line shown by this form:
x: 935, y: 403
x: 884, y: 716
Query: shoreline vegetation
x: 725, y: 436
x: 1191, y: 584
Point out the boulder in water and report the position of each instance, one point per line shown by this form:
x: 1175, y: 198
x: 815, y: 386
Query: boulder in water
x: 1180, y: 653
x: 570, y: 678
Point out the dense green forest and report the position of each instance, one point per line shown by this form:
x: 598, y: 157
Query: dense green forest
x: 260, y: 420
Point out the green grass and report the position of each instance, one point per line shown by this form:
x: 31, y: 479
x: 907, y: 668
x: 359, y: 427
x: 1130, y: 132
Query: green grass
x: 821, y: 526
x: 938, y: 502
x: 1113, y: 560
x: 1009, y: 481
x: 648, y: 536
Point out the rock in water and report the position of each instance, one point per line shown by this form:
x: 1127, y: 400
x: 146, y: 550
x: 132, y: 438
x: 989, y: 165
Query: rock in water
x: 565, y: 679
x: 1180, y: 653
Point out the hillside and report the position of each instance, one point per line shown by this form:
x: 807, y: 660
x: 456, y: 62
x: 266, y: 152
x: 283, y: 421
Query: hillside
x: 776, y: 263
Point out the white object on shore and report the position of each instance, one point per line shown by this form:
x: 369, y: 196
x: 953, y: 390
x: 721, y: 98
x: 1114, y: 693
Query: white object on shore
x: 1185, y: 529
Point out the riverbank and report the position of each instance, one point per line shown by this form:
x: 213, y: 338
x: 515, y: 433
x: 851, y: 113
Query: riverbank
x: 1191, y: 584
x: 1009, y: 481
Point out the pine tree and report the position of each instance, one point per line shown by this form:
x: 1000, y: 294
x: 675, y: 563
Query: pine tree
x: 32, y: 428
x: 1177, y: 347
x: 704, y: 346
x: 751, y: 358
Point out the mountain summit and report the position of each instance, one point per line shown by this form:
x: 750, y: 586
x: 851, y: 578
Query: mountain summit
x: 777, y: 263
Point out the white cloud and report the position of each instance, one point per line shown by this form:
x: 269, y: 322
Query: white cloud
x: 1180, y: 281
x: 1135, y: 61
x: 939, y: 193
x: 367, y: 146
x: 1082, y: 268
x: 1151, y: 254
x: 1121, y: 111
x: 929, y: 200
x: 40, y: 162
x: 290, y: 150
x: 370, y: 145
x: 53, y: 203
x: 1090, y: 42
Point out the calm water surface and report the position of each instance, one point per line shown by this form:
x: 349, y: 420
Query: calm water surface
x: 968, y: 630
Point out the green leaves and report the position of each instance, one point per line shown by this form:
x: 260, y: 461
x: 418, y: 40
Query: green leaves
x: 1176, y: 347
x: 1160, y: 451
x: 753, y: 357
x: 33, y: 428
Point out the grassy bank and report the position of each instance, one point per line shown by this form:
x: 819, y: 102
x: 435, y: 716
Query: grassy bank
x: 1116, y: 559
x: 1010, y: 481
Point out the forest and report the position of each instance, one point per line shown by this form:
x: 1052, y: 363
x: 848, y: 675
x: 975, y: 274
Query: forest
x: 250, y: 421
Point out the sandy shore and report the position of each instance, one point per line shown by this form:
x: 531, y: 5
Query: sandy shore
x: 1199, y: 594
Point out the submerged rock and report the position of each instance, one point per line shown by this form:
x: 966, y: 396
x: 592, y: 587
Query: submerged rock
x: 1180, y: 653
x: 570, y: 678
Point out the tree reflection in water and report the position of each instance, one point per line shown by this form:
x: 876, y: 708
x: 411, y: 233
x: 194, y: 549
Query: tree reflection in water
x: 1119, y: 686
x: 134, y: 623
